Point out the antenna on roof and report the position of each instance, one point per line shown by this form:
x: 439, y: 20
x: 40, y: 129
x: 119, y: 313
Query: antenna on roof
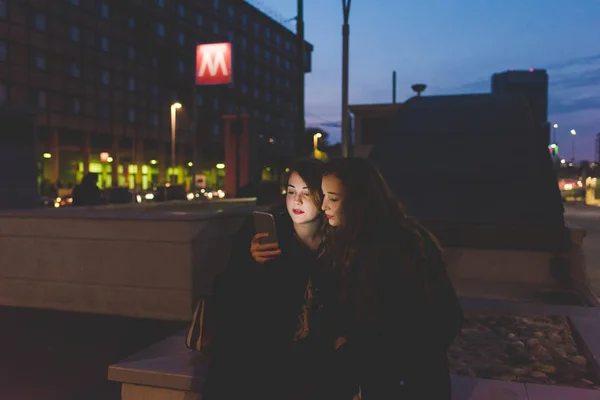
x: 418, y: 88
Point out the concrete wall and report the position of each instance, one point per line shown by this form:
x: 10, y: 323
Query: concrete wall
x: 119, y: 263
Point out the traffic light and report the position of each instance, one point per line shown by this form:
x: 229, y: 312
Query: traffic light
x: 553, y: 149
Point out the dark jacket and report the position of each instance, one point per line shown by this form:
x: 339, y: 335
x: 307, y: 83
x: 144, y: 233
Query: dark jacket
x: 399, y: 347
x: 257, y: 307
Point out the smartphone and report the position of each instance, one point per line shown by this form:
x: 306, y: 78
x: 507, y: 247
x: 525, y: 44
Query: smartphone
x: 264, y: 222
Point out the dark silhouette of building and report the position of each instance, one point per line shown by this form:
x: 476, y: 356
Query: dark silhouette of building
x: 101, y: 77
x: 533, y: 84
x: 598, y: 147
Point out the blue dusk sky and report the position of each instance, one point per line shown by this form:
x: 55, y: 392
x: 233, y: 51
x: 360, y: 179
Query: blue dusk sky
x: 454, y: 46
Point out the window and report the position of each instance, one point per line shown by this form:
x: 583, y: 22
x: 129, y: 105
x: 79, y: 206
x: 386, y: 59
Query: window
x: 216, y: 104
x: 215, y: 27
x: 287, y: 65
x: 244, y: 43
x: 181, y: 38
x: 74, y: 70
x: 131, y: 84
x: 256, y: 92
x: 104, y: 43
x: 74, y: 2
x: 3, y: 51
x: 131, y: 52
x: 131, y: 22
x: 3, y: 12
x: 216, y: 4
x: 277, y: 39
x: 199, y: 19
x: 154, y: 61
x: 267, y: 55
x: 199, y: 100
x: 3, y: 93
x: 268, y: 33
x: 104, y: 10
x: 256, y: 28
x: 154, y: 90
x: 104, y: 77
x: 215, y: 130
x: 244, y: 88
x: 230, y: 11
x: 181, y: 10
x: 160, y: 29
x: 230, y: 36
x: 154, y: 119
x: 39, y: 21
x: 244, y: 20
x: 39, y: 60
x: 287, y: 45
x: 41, y: 99
x: 105, y: 110
x: 256, y: 49
x: 268, y: 97
x: 75, y: 105
x: 74, y: 33
x: 181, y: 66
x: 131, y: 115
x: 277, y: 61
x: 160, y: 3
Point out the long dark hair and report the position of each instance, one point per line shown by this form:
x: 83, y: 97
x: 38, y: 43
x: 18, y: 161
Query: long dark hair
x: 373, y: 218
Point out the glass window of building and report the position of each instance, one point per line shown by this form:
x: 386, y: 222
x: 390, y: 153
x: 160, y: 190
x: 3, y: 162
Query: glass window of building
x: 216, y: 4
x: 230, y: 11
x: 160, y: 3
x: 268, y: 97
x: 74, y: 33
x: 131, y: 22
x: 199, y: 100
x: 160, y: 29
x: 181, y: 66
x: 244, y: 20
x: 215, y: 27
x: 3, y: 93
x: 181, y: 10
x: 41, y: 99
x: 216, y: 104
x: 104, y: 77
x: 74, y: 70
x: 39, y: 61
x: 199, y: 19
x: 181, y: 38
x: 154, y: 90
x: 256, y: 92
x: 3, y: 51
x: 244, y: 88
x: 154, y: 61
x: 230, y: 36
x: 39, y: 21
x: 131, y: 52
x: 277, y: 61
x: 215, y: 130
x: 75, y: 105
x: 105, y: 110
x: 268, y: 33
x: 267, y: 55
x: 256, y: 28
x: 131, y: 115
x: 74, y: 2
x: 131, y: 84
x: 287, y: 65
x: 3, y: 12
x: 288, y: 45
x: 154, y: 119
x: 256, y: 49
x: 244, y: 43
x: 104, y: 10
x: 277, y: 39
x: 104, y: 43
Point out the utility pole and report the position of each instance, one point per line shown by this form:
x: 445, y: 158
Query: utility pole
x: 345, y: 50
x: 301, y: 147
x: 394, y: 87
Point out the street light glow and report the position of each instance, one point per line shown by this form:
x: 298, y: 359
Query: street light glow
x: 109, y: 159
x: 220, y: 166
x: 47, y: 155
x: 153, y: 162
x: 176, y: 105
x: 573, y: 132
x: 555, y: 126
x: 318, y: 135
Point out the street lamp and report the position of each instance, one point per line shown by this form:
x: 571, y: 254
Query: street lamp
x: 573, y: 133
x: 554, y: 128
x: 316, y: 137
x: 345, y: 118
x: 174, y: 108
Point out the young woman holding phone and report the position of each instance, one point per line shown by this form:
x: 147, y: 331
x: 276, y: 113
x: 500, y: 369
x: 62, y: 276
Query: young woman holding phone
x: 262, y: 344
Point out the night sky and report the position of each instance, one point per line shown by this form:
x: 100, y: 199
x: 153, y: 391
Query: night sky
x: 454, y: 46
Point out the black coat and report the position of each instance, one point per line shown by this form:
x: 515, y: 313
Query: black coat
x: 256, y: 309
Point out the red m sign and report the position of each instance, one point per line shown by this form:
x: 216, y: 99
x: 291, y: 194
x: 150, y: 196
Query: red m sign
x: 213, y: 64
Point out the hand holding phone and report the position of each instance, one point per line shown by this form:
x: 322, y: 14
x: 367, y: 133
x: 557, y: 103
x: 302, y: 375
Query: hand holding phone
x: 264, y: 246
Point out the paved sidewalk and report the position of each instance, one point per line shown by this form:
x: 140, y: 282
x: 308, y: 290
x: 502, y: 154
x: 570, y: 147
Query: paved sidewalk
x: 464, y: 388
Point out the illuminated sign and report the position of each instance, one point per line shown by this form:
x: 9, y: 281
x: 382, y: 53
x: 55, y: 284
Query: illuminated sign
x: 213, y: 64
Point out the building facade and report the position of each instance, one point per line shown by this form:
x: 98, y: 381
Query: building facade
x: 101, y: 76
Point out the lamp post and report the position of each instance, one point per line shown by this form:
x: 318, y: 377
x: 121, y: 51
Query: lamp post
x: 174, y: 108
x: 345, y: 119
x: 316, y: 137
x: 573, y: 133
x: 554, y: 128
